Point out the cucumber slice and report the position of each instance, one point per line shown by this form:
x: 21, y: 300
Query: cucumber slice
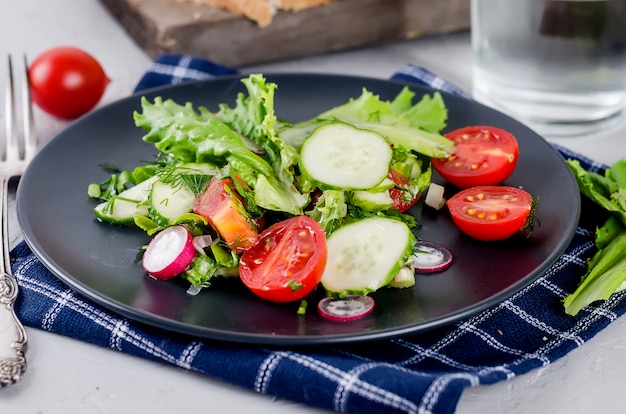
x: 168, y: 202
x: 198, y: 168
x: 372, y: 201
x: 122, y: 208
x: 171, y: 197
x: 386, y: 184
x: 341, y: 156
x: 365, y: 255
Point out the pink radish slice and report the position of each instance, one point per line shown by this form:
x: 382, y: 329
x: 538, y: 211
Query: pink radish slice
x: 345, y: 309
x: 430, y: 257
x: 169, y: 253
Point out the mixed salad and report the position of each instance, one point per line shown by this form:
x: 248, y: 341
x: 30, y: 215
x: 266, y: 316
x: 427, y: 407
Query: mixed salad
x: 288, y: 207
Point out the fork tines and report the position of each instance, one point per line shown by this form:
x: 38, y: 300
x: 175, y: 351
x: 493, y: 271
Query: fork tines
x: 13, y: 147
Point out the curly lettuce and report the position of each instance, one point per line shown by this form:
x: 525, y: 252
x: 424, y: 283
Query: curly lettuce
x: 606, y: 272
x: 201, y: 136
x: 415, y: 127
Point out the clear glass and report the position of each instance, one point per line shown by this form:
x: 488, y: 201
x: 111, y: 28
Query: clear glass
x: 559, y: 66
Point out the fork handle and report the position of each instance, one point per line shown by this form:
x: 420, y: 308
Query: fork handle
x: 12, y: 332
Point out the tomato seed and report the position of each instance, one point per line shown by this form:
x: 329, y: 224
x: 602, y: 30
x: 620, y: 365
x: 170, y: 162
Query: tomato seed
x: 482, y: 215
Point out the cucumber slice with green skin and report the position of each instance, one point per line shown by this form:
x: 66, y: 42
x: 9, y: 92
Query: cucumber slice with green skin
x: 168, y: 202
x: 170, y: 196
x: 365, y: 255
x: 386, y: 184
x: 122, y: 208
x: 199, y: 168
x: 372, y: 201
x: 341, y: 156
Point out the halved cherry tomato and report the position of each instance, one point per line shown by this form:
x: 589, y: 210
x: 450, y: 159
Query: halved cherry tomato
x: 66, y: 82
x: 220, y: 204
x: 287, y: 261
x: 400, y: 196
x: 491, y: 212
x: 484, y: 155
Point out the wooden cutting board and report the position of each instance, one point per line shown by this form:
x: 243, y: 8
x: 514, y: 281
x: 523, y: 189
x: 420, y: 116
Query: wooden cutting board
x: 161, y: 26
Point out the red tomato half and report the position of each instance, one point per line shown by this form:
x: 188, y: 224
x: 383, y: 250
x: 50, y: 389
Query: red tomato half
x: 224, y: 209
x: 484, y: 155
x: 287, y: 261
x: 397, y: 194
x: 66, y: 82
x: 491, y: 212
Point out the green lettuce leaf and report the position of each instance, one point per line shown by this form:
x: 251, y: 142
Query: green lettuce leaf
x: 330, y: 210
x: 414, y: 127
x: 188, y: 135
x: 606, y: 276
x: 253, y: 117
x: 608, y: 190
x: 606, y: 273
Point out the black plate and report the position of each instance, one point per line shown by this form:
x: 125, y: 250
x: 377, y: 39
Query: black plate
x: 99, y: 260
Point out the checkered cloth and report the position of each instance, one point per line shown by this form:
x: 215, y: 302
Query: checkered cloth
x: 422, y: 373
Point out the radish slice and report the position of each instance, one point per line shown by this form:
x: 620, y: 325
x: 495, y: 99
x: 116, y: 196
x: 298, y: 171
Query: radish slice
x: 345, y: 309
x: 169, y: 253
x: 430, y: 257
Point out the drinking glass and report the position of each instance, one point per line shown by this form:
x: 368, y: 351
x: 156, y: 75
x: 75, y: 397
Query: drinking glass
x: 557, y: 65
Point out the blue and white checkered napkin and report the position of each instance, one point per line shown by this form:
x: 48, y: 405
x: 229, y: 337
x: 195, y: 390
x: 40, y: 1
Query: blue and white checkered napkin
x: 423, y: 373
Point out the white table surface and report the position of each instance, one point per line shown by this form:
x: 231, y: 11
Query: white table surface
x: 67, y: 376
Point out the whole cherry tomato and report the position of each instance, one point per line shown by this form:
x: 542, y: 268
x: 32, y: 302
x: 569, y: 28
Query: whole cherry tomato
x: 66, y: 82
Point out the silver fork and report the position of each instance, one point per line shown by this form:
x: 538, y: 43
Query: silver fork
x: 17, y: 151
